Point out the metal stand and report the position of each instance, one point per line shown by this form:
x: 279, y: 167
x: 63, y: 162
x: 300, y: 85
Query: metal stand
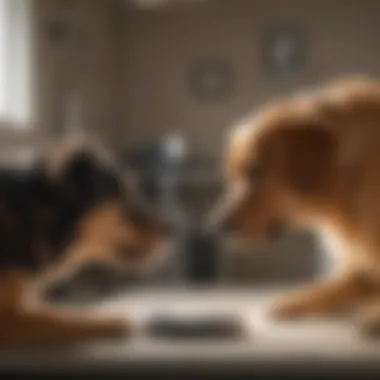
x: 198, y: 251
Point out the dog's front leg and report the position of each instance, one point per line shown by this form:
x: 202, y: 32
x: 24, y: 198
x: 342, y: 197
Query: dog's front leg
x: 24, y: 326
x: 368, y: 318
x: 46, y: 329
x: 333, y: 296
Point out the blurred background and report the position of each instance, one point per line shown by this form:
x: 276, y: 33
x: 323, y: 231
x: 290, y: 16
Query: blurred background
x: 160, y: 81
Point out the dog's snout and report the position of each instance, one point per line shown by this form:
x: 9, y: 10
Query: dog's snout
x: 150, y: 220
x: 223, y: 224
x: 139, y: 216
x: 168, y: 227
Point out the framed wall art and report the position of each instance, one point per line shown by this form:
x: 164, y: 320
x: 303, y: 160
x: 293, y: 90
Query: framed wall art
x: 283, y: 51
x: 211, y: 79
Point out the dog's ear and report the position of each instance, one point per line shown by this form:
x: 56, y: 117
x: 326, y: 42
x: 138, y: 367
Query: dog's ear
x: 79, y: 169
x: 83, y: 176
x: 308, y: 157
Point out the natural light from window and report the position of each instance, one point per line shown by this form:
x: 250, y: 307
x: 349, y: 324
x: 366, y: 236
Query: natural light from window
x: 15, y: 63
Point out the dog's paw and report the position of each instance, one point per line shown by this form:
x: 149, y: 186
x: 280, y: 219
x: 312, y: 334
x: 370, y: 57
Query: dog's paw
x: 287, y: 308
x: 368, y: 325
x: 302, y: 305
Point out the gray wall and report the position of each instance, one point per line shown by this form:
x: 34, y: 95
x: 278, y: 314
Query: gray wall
x: 161, y: 46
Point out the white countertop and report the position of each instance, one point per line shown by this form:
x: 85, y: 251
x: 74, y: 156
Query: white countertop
x: 328, y: 340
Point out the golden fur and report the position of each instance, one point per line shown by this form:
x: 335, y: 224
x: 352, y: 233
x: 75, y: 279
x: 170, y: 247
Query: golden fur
x: 314, y: 159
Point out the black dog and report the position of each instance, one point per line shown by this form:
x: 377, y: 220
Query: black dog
x: 71, y: 211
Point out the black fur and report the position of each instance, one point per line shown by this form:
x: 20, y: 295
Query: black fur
x: 38, y: 212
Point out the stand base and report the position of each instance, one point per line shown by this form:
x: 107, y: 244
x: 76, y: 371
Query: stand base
x: 198, y: 327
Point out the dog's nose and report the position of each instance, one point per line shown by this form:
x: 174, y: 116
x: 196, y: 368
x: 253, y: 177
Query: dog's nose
x: 169, y: 227
x: 220, y: 225
x: 224, y: 225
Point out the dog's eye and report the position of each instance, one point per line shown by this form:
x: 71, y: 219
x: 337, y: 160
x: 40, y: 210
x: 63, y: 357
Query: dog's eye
x: 252, y: 173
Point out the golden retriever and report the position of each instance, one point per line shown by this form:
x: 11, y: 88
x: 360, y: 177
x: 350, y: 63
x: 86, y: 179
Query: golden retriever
x: 313, y: 159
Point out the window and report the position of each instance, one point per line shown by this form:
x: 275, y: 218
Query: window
x: 15, y: 62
